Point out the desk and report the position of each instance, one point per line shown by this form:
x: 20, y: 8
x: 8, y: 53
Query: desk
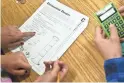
x: 84, y: 60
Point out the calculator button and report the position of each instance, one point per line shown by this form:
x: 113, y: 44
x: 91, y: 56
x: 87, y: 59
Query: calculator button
x: 109, y: 23
x: 120, y: 22
x: 116, y: 24
x: 118, y: 28
x: 106, y: 26
x: 121, y: 33
x: 116, y: 14
x: 122, y: 26
x: 108, y: 30
x: 114, y: 20
x: 118, y: 18
x: 104, y: 23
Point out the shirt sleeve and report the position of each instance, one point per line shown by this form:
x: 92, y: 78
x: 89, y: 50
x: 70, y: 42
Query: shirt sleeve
x: 114, y: 70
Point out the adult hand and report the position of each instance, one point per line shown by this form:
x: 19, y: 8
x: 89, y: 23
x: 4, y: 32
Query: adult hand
x: 12, y: 37
x: 109, y: 47
x: 52, y: 71
x: 16, y: 63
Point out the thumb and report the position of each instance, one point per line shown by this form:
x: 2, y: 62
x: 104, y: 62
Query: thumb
x: 56, y: 68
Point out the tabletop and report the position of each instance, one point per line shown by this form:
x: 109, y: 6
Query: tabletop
x: 83, y: 58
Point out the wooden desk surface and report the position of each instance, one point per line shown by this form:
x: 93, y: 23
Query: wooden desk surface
x: 84, y: 61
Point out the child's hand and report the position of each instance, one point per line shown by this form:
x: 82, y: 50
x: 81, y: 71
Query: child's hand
x: 50, y: 75
x: 121, y: 10
x: 11, y: 36
x: 16, y: 63
x: 110, y: 48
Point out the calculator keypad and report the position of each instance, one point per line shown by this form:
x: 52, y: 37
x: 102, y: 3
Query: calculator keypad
x: 119, y: 23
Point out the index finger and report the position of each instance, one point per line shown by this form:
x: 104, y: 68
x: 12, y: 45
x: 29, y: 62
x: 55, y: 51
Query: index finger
x: 113, y: 31
x: 28, y: 34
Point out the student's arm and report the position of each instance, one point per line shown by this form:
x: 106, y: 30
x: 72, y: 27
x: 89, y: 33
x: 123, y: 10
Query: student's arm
x: 110, y: 48
x: 114, y: 70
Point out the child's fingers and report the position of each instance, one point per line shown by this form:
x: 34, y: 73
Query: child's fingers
x: 114, y: 33
x: 56, y: 68
x: 28, y: 34
x: 48, y: 65
x: 64, y: 69
x: 121, y: 9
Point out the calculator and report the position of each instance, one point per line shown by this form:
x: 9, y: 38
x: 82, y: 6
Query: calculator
x: 122, y: 45
x: 110, y: 15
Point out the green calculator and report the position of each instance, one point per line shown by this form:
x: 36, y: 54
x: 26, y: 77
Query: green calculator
x: 110, y: 15
x: 122, y: 45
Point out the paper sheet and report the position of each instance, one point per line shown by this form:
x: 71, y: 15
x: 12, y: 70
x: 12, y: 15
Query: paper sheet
x: 57, y: 27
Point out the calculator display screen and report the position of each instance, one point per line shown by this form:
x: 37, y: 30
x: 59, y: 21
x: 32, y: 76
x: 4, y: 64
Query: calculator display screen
x: 106, y: 12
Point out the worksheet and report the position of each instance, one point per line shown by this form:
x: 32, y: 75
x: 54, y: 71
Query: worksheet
x: 57, y: 27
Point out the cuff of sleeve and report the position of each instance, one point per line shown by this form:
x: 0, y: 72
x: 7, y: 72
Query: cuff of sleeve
x: 115, y: 60
x: 113, y: 67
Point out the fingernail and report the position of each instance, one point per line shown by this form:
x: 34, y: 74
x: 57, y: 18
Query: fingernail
x: 22, y: 43
x: 34, y: 33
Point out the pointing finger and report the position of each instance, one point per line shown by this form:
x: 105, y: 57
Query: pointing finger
x: 113, y: 31
x: 28, y: 34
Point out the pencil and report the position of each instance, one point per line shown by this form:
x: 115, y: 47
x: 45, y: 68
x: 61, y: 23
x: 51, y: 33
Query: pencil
x: 58, y: 78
